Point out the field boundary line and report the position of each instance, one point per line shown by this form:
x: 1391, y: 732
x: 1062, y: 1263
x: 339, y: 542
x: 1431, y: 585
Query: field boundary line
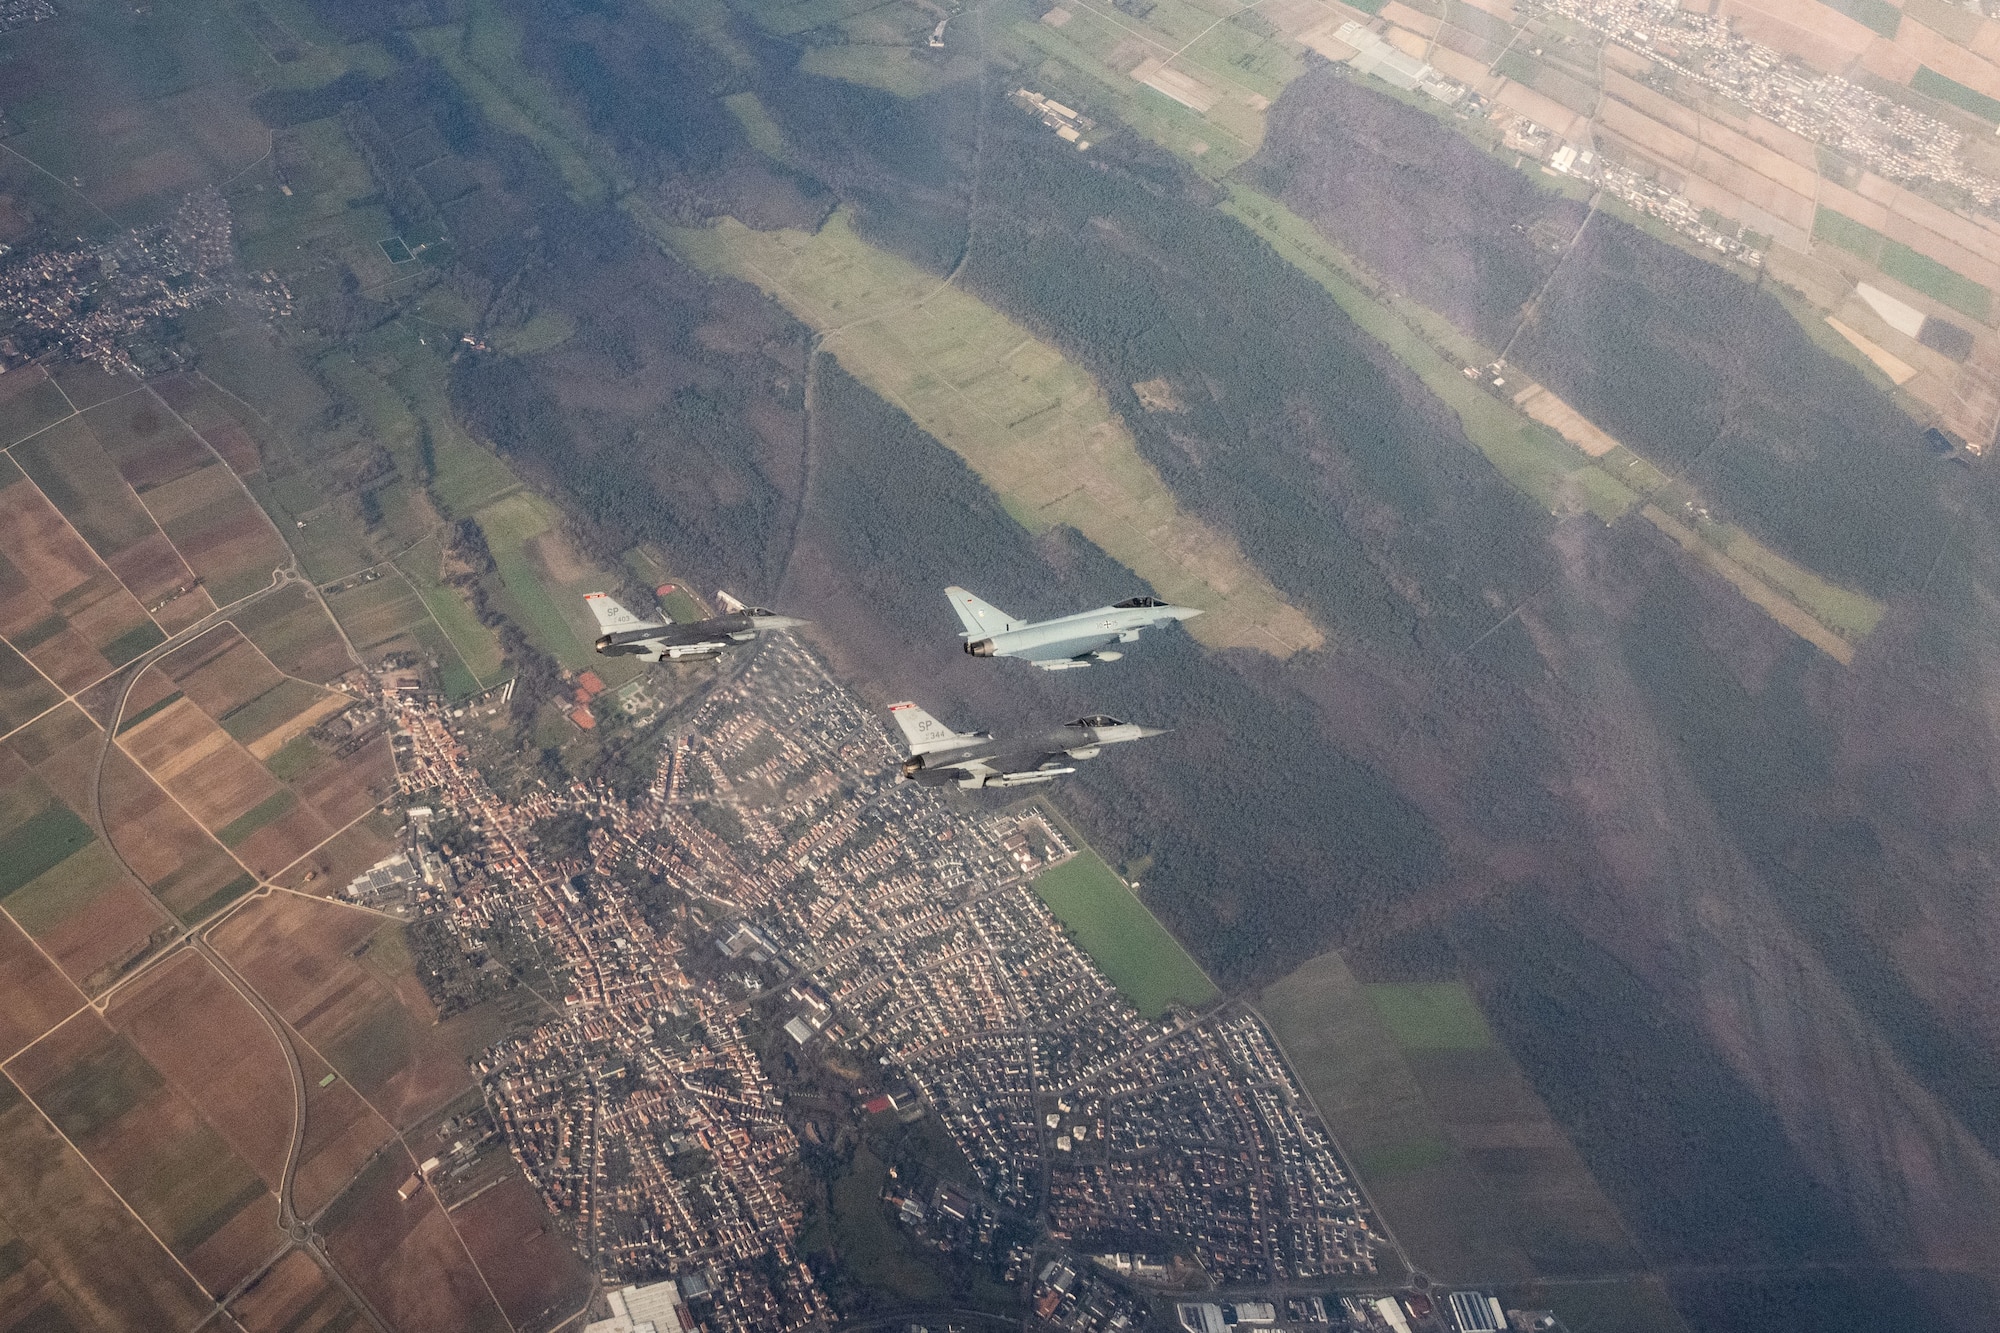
x: 65, y: 185
x: 37, y: 1039
x: 125, y: 1203
x: 456, y: 651
x: 293, y: 863
x: 107, y: 563
x: 193, y: 578
x: 42, y: 430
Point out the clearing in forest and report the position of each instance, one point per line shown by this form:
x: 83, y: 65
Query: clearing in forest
x: 1033, y: 425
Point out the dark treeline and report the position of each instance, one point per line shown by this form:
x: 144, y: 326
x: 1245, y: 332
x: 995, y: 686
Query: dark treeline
x: 1370, y: 170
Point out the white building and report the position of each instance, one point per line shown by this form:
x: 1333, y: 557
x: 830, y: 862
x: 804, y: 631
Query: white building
x: 653, y: 1309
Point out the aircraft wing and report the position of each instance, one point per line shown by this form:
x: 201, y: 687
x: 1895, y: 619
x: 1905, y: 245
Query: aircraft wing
x: 1070, y: 645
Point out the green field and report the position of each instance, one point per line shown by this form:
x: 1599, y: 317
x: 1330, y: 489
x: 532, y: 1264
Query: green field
x: 1471, y: 1172
x: 1851, y: 236
x: 1933, y: 84
x: 1034, y: 425
x: 1431, y: 1016
x: 1126, y: 941
x: 65, y: 888
x: 287, y: 699
x: 1924, y: 274
x: 39, y: 844
x: 1877, y: 14
x: 272, y: 807
x: 510, y: 524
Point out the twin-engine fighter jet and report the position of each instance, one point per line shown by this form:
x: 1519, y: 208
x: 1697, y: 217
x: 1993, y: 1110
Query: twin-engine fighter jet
x: 941, y: 756
x: 625, y: 635
x: 1066, y: 642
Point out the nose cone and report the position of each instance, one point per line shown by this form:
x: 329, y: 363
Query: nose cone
x: 1186, y: 612
x: 1143, y: 732
x: 779, y: 622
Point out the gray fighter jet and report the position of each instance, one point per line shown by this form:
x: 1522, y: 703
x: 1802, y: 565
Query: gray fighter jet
x: 625, y: 635
x: 940, y: 756
x: 1066, y: 642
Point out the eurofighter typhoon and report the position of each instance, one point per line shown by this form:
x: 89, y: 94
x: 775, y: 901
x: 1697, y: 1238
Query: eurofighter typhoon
x: 941, y: 756
x: 625, y: 635
x: 1066, y: 642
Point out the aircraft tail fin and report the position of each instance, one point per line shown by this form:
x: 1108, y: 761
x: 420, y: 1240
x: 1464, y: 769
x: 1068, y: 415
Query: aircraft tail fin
x: 612, y: 617
x: 979, y: 618
x: 923, y: 732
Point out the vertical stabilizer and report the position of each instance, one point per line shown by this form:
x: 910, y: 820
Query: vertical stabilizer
x: 612, y: 618
x: 924, y: 732
x: 980, y: 619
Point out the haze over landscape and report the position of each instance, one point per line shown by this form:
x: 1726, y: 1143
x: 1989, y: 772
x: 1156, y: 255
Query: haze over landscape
x: 1563, y: 892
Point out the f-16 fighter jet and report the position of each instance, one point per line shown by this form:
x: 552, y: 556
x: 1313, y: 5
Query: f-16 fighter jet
x: 1066, y: 642
x: 939, y: 755
x: 625, y: 635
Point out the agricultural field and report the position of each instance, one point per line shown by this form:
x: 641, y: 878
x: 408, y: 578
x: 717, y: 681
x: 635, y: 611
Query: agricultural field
x: 293, y: 630
x: 215, y: 1050
x: 1468, y: 1167
x: 153, y: 1147
x: 72, y: 469
x: 404, y: 1255
x: 61, y: 607
x: 343, y: 978
x: 294, y: 1297
x: 79, y: 1258
x: 342, y: 1133
x: 1036, y: 428
x: 222, y: 786
x: 25, y: 693
x: 542, y: 582
x: 192, y: 494
x: 30, y: 401
x: 535, y: 1275
x: 1108, y: 922
x: 1431, y: 1016
x: 58, y: 881
x: 34, y: 996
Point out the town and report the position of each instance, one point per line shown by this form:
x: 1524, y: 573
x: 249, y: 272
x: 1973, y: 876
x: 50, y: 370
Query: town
x: 1885, y: 136
x: 99, y: 303
x: 777, y: 940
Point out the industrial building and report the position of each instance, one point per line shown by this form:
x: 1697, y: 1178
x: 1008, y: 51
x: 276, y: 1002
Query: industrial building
x: 651, y: 1309
x: 1475, y: 1312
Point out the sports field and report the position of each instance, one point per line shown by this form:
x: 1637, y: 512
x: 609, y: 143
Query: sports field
x: 1126, y: 941
x: 1033, y: 425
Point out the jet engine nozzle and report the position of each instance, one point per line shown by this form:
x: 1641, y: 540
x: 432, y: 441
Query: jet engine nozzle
x: 603, y: 642
x: 912, y: 765
x: 980, y: 648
